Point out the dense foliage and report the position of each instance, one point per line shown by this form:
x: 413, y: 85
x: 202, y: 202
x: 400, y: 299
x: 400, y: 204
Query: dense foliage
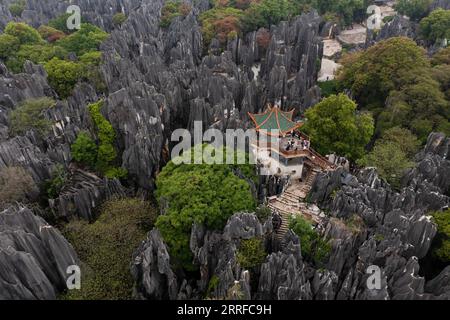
x: 119, y: 18
x: 29, y: 115
x: 101, y: 156
x: 335, y: 126
x: 198, y: 193
x: 393, y: 154
x: 251, y: 253
x: 415, y: 9
x: 436, y: 26
x: 173, y: 9
x: 51, y: 46
x: 106, y: 246
x: 441, y: 246
x: 394, y: 79
x: 230, y: 18
x: 313, y: 247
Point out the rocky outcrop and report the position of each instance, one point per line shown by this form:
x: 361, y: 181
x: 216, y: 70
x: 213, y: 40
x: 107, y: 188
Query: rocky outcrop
x: 34, y: 257
x: 395, y: 232
x: 400, y: 26
x: 152, y: 271
x: 82, y: 194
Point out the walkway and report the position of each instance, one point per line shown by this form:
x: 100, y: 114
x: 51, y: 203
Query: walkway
x: 292, y: 202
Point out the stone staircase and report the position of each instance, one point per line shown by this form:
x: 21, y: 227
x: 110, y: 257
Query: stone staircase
x: 292, y: 203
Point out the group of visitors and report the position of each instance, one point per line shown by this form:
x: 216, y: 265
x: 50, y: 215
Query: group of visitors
x: 298, y: 144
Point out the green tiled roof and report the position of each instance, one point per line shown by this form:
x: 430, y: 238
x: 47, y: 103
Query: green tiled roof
x: 275, y: 119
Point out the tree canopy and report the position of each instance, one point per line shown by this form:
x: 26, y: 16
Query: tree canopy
x: 436, y: 26
x: 198, y: 193
x: 335, y: 126
x: 414, y: 9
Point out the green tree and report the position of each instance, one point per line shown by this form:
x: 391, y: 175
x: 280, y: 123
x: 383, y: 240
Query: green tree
x: 335, y: 126
x: 23, y: 32
x: 119, y: 18
x: 372, y: 74
x: 106, y: 246
x: 29, y: 115
x: 87, y: 39
x: 84, y: 150
x: 9, y: 45
x: 62, y: 75
x: 436, y: 26
x: 441, y: 244
x: 203, y: 194
x: 313, y: 247
x: 392, y: 155
x: 415, y: 9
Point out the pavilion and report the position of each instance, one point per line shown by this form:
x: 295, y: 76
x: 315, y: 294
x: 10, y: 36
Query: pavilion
x: 282, y: 149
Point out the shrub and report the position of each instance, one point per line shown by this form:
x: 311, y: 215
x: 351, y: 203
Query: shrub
x: 171, y: 10
x: 106, y: 247
x: 392, y: 155
x: 119, y: 18
x: 16, y: 185
x: 219, y: 23
x: 62, y: 75
x: 313, y: 247
x: 263, y: 213
x: 251, y: 253
x: 9, y: 45
x: 23, y: 32
x: 53, y: 186
x: 87, y: 39
x: 60, y: 23
x: 29, y: 115
x: 441, y: 245
x: 50, y: 34
x: 84, y: 150
x: 16, y: 8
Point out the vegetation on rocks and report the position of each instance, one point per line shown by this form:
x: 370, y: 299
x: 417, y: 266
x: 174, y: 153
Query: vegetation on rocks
x: 251, y: 253
x: 203, y: 194
x: 106, y: 246
x: 100, y: 155
x: 436, y: 26
x: 441, y: 247
x: 314, y: 248
x: 29, y: 115
x: 173, y: 9
x: 51, y: 47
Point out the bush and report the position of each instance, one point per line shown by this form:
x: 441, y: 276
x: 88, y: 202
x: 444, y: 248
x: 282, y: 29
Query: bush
x: 171, y: 10
x: 9, y: 45
x: 441, y: 245
x: 119, y: 18
x: 53, y: 186
x: 392, y: 155
x: 84, y: 150
x: 436, y: 26
x: 219, y: 23
x: 29, y: 115
x: 60, y: 23
x: 263, y: 213
x: 415, y: 9
x: 87, y: 39
x: 16, y: 8
x: 106, y: 247
x: 313, y: 247
x: 251, y: 253
x: 23, y: 32
x: 62, y: 75
x: 203, y: 194
x: 50, y: 34
x: 16, y: 185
